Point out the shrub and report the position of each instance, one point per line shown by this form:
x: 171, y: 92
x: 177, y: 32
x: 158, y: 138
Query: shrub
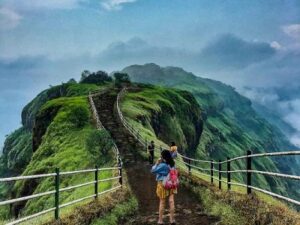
x: 79, y: 116
x: 99, y: 77
x: 121, y: 79
x: 99, y: 143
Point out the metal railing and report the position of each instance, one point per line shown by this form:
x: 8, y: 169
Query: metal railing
x: 57, y: 189
x: 210, y: 171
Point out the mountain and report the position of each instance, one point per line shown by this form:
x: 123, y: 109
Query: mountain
x: 58, y: 132
x: 231, y: 125
x: 206, y: 118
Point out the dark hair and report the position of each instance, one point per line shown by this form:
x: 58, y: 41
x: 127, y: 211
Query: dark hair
x: 173, y: 143
x: 166, y: 155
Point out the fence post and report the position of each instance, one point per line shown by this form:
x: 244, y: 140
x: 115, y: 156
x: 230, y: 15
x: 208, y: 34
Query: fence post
x: 211, y: 172
x: 249, y: 167
x: 220, y: 175
x: 189, y: 166
x: 120, y: 173
x: 228, y: 174
x: 57, y: 194
x: 96, y: 182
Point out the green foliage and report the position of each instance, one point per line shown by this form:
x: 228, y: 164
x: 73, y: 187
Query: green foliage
x: 121, y: 79
x: 72, y: 81
x: 64, y: 90
x: 99, y: 77
x: 79, y: 116
x: 169, y: 114
x: 17, y: 152
x: 85, y: 74
x: 63, y: 146
x: 99, y: 144
x: 120, y: 213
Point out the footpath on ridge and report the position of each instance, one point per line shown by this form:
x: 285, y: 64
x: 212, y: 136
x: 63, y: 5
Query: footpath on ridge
x: 142, y: 182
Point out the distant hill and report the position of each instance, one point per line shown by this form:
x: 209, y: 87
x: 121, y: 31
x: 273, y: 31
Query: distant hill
x: 231, y: 125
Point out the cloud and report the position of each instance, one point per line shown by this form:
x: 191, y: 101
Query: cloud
x: 281, y: 101
x: 227, y: 52
x: 276, y: 45
x: 22, y: 63
x: 115, y: 4
x: 231, y: 52
x: 9, y: 19
x: 137, y: 51
x: 292, y: 30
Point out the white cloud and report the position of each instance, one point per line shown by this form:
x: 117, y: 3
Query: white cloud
x: 292, y: 30
x: 276, y: 45
x: 115, y: 4
x: 9, y: 19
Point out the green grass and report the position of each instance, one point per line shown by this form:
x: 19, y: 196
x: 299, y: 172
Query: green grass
x: 234, y: 188
x: 64, y: 146
x: 227, y: 214
x: 121, y: 212
x: 164, y: 114
x: 133, y: 111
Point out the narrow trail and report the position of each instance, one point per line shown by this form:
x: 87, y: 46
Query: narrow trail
x: 142, y: 182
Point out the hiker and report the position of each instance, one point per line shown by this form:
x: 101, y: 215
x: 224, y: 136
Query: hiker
x: 173, y: 150
x: 151, y: 149
x: 163, y: 168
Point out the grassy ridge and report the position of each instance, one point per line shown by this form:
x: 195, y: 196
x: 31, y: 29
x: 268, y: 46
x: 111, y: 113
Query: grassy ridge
x: 165, y: 114
x: 63, y: 146
x: 230, y: 126
x: 225, y: 204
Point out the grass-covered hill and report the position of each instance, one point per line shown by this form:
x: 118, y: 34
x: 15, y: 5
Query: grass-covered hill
x: 17, y: 149
x: 231, y: 126
x: 58, y: 132
x: 165, y: 114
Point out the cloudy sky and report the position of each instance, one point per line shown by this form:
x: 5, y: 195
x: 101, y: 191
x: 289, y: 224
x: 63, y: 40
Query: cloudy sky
x: 243, y: 43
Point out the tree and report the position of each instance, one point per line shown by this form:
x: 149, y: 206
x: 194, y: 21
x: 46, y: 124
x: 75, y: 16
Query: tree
x: 99, y: 77
x: 121, y: 79
x: 72, y: 81
x: 84, y: 75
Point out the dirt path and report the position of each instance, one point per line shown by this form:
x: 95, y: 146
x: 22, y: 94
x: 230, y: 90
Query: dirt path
x: 142, y: 182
